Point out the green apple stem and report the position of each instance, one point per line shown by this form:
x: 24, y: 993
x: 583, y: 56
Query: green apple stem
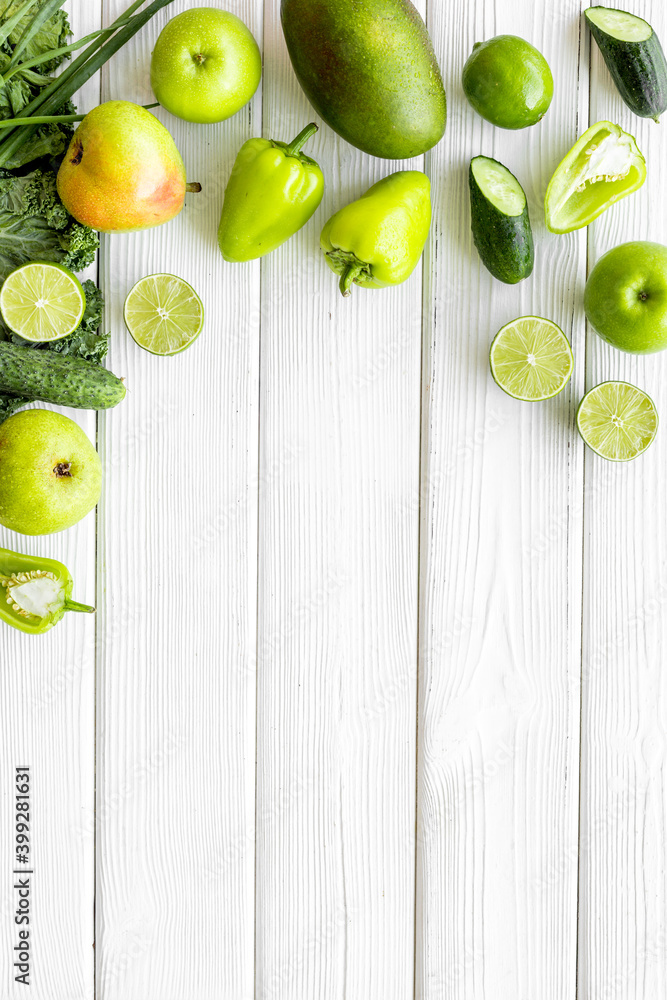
x: 194, y: 187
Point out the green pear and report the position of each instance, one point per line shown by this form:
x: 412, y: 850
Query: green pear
x: 122, y: 170
x: 50, y: 473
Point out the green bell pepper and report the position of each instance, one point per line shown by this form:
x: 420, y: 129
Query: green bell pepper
x: 273, y: 191
x: 377, y: 241
x: 34, y: 593
x: 602, y: 167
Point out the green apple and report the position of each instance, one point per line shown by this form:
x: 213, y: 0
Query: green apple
x: 205, y: 66
x: 626, y: 297
x: 50, y: 474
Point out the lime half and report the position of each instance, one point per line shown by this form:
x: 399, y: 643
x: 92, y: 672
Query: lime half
x: 531, y: 358
x: 42, y: 302
x: 164, y: 314
x: 617, y: 420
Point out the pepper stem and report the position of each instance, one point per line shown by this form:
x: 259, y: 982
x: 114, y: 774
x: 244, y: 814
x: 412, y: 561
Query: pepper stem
x: 348, y: 277
x: 75, y: 606
x: 302, y: 138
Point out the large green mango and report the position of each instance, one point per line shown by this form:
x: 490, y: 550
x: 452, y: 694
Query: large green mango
x: 369, y: 69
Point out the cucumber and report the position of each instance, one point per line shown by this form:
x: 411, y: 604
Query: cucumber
x: 56, y: 378
x: 500, y: 223
x: 634, y: 57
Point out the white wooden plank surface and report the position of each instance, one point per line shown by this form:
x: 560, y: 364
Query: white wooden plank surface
x: 178, y: 564
x: 337, y: 602
x: 500, y: 564
x: 314, y: 479
x: 47, y: 703
x: 623, y: 886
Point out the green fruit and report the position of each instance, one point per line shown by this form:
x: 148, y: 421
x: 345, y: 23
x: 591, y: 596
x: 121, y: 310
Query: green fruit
x: 370, y: 71
x: 42, y: 302
x: 508, y: 82
x: 500, y: 223
x: 531, y: 359
x: 626, y: 297
x: 617, y: 420
x: 122, y: 170
x: 205, y: 66
x: 50, y: 474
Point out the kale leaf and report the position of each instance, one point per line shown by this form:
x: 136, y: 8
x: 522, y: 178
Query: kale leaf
x: 34, y: 225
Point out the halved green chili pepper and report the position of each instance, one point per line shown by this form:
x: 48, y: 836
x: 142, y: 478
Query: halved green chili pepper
x: 273, y: 191
x: 378, y: 240
x: 34, y: 593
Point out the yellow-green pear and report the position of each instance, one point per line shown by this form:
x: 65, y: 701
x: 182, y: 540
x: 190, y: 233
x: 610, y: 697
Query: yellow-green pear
x: 122, y: 170
x: 50, y: 473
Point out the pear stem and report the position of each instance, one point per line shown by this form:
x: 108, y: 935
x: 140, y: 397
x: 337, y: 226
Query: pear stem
x: 194, y: 187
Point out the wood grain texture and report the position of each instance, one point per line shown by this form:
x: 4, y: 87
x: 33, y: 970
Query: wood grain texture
x: 47, y: 704
x: 623, y: 884
x: 500, y: 564
x: 337, y: 634
x: 178, y: 579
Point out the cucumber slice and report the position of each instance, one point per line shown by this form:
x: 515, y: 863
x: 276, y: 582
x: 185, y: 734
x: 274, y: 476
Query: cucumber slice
x: 500, y: 222
x: 634, y: 57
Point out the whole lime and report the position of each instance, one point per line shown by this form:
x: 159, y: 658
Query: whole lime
x: 50, y: 473
x: 205, y: 66
x: 508, y: 82
x: 625, y: 299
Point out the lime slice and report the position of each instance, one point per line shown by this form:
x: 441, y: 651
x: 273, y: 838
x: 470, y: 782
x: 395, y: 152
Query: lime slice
x: 618, y: 421
x: 164, y: 314
x: 531, y: 358
x: 42, y: 302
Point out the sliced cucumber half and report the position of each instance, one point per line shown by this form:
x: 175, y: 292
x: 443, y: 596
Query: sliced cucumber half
x: 634, y: 57
x: 498, y: 185
x: 500, y: 222
x: 619, y: 24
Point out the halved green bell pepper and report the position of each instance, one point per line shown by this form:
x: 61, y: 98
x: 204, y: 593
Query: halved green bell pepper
x: 377, y: 241
x: 35, y: 593
x: 602, y: 167
x: 273, y: 190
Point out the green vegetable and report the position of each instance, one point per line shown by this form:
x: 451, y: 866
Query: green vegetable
x: 57, y: 378
x: 604, y: 166
x: 273, y: 191
x: 34, y: 225
x: 86, y: 343
x: 35, y: 593
x: 369, y: 69
x: 52, y: 96
x: 634, y: 57
x: 500, y: 223
x: 378, y: 240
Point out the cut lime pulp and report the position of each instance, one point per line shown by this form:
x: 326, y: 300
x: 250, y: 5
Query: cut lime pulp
x: 42, y: 302
x: 531, y: 359
x: 617, y: 420
x: 164, y: 314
